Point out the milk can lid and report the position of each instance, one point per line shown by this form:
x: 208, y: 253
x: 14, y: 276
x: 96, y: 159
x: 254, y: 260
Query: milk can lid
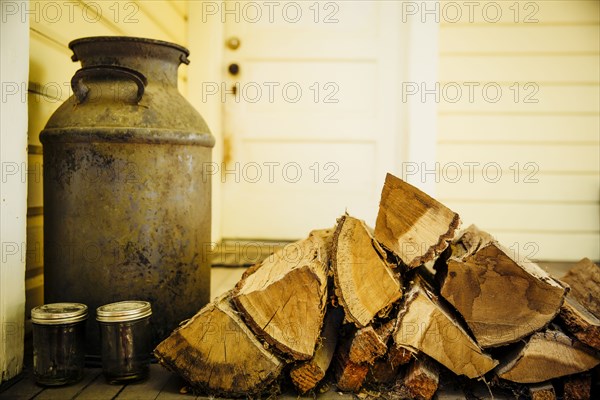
x: 59, y: 313
x: 122, y: 311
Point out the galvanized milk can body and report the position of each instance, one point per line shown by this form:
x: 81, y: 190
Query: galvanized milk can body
x: 126, y: 203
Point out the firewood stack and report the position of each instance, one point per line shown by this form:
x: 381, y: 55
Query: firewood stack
x: 395, y: 310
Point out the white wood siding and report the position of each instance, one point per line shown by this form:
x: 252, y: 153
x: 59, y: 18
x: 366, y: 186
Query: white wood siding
x: 546, y: 146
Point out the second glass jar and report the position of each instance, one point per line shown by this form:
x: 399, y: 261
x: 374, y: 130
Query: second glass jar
x: 126, y: 341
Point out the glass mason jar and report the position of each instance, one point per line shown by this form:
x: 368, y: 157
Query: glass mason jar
x: 126, y: 340
x: 58, y: 343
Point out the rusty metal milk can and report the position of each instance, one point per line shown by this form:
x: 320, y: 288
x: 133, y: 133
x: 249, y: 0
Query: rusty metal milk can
x: 126, y: 203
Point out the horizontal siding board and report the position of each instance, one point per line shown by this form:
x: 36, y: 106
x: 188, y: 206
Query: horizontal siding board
x: 564, y: 69
x: 573, y: 218
x: 534, y: 98
x: 514, y: 187
x: 524, y: 128
x: 524, y: 12
x: 34, y: 253
x: 40, y: 109
x: 546, y: 158
x: 555, y: 246
x: 35, y: 195
x: 166, y: 19
x: 529, y: 39
x: 50, y: 67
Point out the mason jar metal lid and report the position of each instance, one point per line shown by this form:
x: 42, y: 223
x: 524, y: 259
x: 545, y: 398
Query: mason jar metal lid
x: 59, y: 313
x: 123, y: 311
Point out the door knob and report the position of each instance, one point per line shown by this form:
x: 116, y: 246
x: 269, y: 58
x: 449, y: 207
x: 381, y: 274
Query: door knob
x: 233, y: 43
x: 233, y: 69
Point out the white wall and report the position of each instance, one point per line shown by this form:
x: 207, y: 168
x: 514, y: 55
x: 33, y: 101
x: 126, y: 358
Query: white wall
x: 14, y: 36
x: 542, y: 132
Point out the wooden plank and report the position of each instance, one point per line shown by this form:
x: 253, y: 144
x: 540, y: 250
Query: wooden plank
x: 525, y: 97
x: 522, y: 12
x: 40, y: 108
x: 99, y: 389
x: 519, y: 128
x: 523, y: 216
x: 150, y: 388
x: 55, y: 81
x: 545, y: 158
x: 525, y: 68
x: 34, y: 256
x: 166, y: 19
x: 172, y: 390
x: 24, y: 389
x: 556, y: 246
x: 71, y: 391
x: 575, y: 188
x: 530, y: 39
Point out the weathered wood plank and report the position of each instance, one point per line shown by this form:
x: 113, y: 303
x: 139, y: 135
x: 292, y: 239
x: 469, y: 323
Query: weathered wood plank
x: 148, y: 389
x: 71, y: 391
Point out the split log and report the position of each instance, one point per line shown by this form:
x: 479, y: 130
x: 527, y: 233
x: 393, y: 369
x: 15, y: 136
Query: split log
x: 547, y: 355
x: 349, y: 376
x: 369, y: 344
x: 386, y: 368
x: 307, y: 374
x: 411, y: 224
x: 584, y: 280
x: 577, y: 387
x: 580, y: 322
x: 501, y: 298
x: 283, y: 298
x: 215, y: 352
x: 425, y: 324
x: 542, y: 391
x: 420, y: 381
x: 365, y: 283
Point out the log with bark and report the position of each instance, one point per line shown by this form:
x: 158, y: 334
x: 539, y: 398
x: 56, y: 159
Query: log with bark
x: 365, y: 283
x: 283, y: 298
x: 547, y: 355
x: 579, y: 322
x: 217, y: 353
x: 501, y: 297
x: 427, y: 325
x: 414, y: 226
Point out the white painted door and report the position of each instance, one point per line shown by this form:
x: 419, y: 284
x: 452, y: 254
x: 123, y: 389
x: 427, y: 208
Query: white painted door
x: 311, y: 129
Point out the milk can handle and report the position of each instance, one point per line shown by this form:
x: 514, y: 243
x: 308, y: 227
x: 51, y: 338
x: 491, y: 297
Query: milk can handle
x: 104, y: 71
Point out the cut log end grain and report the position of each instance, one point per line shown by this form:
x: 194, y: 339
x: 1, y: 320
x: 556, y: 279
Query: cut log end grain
x: 577, y: 387
x: 426, y: 325
x: 542, y: 391
x: 365, y: 284
x: 420, y: 381
x: 584, y: 280
x: 547, y: 355
x: 283, y: 299
x: 349, y: 376
x: 216, y: 352
x: 366, y: 346
x: 411, y: 224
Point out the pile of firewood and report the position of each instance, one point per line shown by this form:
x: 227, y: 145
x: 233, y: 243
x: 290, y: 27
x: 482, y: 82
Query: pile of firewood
x: 396, y: 311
